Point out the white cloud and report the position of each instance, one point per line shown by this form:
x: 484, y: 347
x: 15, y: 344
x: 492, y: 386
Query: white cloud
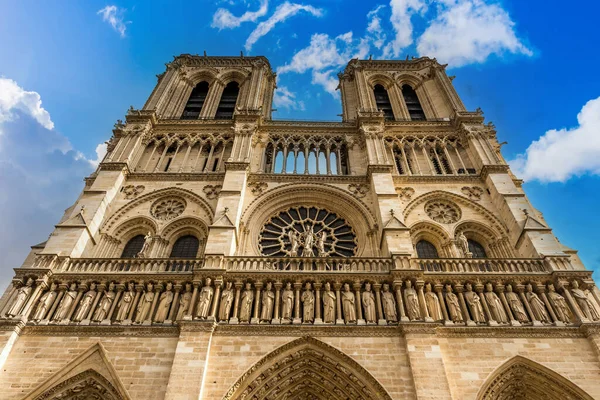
x: 402, y: 11
x: 561, y: 154
x: 469, y: 31
x: 100, y: 153
x: 282, y: 12
x: 224, y: 19
x: 283, y: 98
x: 115, y: 18
x: 13, y: 98
x: 374, y: 28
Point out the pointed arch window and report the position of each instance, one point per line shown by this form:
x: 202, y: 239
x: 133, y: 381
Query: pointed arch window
x: 196, y: 101
x: 426, y: 249
x: 382, y: 100
x: 476, y: 249
x: 412, y: 103
x: 186, y: 247
x: 133, y: 247
x: 228, y: 100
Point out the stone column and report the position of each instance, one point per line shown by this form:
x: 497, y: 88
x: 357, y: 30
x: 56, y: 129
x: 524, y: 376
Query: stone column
x: 572, y: 303
x: 177, y: 288
x: 541, y: 291
x: 509, y: 313
x: 520, y: 290
x: 297, y: 287
x: 216, y: 298
x: 340, y: 318
x: 318, y: 305
x: 88, y: 317
x: 62, y: 288
x: 189, y: 313
x: 9, y: 299
x: 157, y: 289
x: 479, y: 289
x: 236, y: 303
x: 37, y: 292
x: 113, y: 307
x: 82, y: 288
x: 358, y: 303
x: 419, y: 285
x: 255, y: 318
x: 138, y: 293
x: 438, y: 290
x: 463, y: 305
x: 399, y: 301
x: 380, y: 317
x: 276, y: 317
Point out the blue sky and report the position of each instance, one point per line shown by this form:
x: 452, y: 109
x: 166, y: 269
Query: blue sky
x: 70, y: 69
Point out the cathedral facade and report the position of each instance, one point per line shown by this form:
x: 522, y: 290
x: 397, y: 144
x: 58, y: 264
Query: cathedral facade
x: 217, y: 253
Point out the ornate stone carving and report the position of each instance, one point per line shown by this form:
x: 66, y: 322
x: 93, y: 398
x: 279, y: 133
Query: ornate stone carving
x: 287, y: 303
x: 538, y: 308
x: 472, y: 192
x: 348, y: 305
x: 405, y: 193
x: 389, y: 304
x: 167, y: 209
x: 212, y: 191
x: 268, y: 300
x: 19, y: 301
x: 516, y: 305
x: 359, y: 190
x: 329, y: 302
x: 308, y: 304
x: 65, y: 305
x: 495, y: 305
x: 563, y: 313
x: 463, y: 245
x: 433, y: 304
x: 105, y: 304
x: 226, y: 302
x: 164, y: 304
x: 144, y: 307
x: 125, y: 303
x: 412, y: 302
x: 586, y: 305
x: 474, y: 302
x: 453, y: 305
x: 184, y: 302
x: 45, y: 303
x: 443, y: 211
x: 132, y: 191
x: 246, y: 303
x: 85, y: 304
x: 205, y: 299
x: 368, y: 302
x: 258, y: 188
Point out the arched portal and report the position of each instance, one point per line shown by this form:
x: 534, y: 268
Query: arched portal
x: 522, y: 379
x: 306, y: 368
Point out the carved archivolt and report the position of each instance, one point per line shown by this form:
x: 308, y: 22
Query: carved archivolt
x: 306, y: 368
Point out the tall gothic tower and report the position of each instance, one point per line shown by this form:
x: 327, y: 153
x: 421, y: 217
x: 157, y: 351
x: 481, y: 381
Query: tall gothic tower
x: 217, y: 253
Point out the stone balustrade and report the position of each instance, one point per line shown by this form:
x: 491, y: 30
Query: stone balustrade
x: 132, y: 265
x: 481, y: 265
x: 299, y: 264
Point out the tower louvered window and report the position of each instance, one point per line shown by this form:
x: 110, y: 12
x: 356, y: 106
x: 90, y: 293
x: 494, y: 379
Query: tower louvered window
x: 382, y: 100
x: 196, y: 101
x: 133, y: 247
x: 412, y: 103
x: 228, y: 100
x: 185, y: 247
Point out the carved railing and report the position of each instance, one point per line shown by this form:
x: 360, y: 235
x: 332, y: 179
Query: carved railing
x: 299, y: 264
x: 480, y: 265
x: 133, y: 265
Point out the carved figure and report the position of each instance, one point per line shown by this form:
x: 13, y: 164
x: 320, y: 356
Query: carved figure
x: 226, y: 301
x: 146, y: 246
x: 287, y: 299
x: 463, y: 244
x: 268, y: 300
x: 474, y: 303
x: 309, y: 239
x: 389, y: 304
x: 308, y: 304
x: 63, y: 308
x: 348, y: 305
x: 329, y: 299
x: 433, y: 304
x: 246, y: 303
x: 593, y: 309
x: 495, y: 304
x: 538, y: 308
x: 321, y: 244
x: 45, y: 302
x: 22, y: 296
x: 515, y: 305
x: 204, y: 299
x: 104, y: 307
x: 453, y: 305
x: 368, y: 300
x: 145, y: 305
x: 563, y: 312
x: 184, y: 302
x: 587, y: 307
x: 85, y: 303
x: 125, y: 303
x: 164, y: 304
x: 412, y: 302
x: 294, y: 242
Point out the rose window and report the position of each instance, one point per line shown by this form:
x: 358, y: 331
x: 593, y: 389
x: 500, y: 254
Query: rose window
x: 167, y: 209
x: 307, y: 232
x: 443, y: 211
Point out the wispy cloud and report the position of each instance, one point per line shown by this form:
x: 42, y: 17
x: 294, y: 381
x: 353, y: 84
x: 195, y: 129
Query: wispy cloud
x: 282, y: 12
x: 224, y: 19
x: 402, y: 12
x: 115, y: 17
x: 283, y: 98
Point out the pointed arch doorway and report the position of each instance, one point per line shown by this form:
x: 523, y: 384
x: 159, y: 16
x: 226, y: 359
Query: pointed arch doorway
x: 306, y: 369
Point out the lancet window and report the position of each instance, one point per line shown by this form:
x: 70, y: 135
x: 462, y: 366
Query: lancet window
x: 426, y: 249
x: 133, y: 247
x: 476, y: 249
x: 196, y: 101
x: 382, y: 100
x: 185, y: 247
x: 314, y: 155
x: 412, y: 103
x: 228, y: 99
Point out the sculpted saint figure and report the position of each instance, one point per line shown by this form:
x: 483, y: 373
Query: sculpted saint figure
x: 22, y: 296
x: 321, y: 244
x: 348, y: 305
x: 246, y: 303
x: 45, y: 302
x: 538, y: 308
x: 463, y: 244
x: 104, y: 307
x: 268, y: 299
x: 587, y: 307
x: 563, y: 312
x: 85, y: 303
x: 412, y: 302
x: 309, y: 239
x: 294, y: 242
x: 453, y: 305
x: 226, y: 301
x: 287, y: 300
x: 433, y: 304
x: 63, y: 308
x: 515, y: 305
x: 146, y: 246
x: 495, y: 305
x: 329, y: 299
x: 308, y: 304
x: 368, y: 300
x: 204, y: 299
x: 125, y: 304
x: 164, y: 304
x: 145, y: 305
x: 474, y: 303
x: 389, y: 305
x: 184, y: 302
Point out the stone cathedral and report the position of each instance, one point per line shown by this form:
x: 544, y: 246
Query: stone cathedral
x: 218, y: 253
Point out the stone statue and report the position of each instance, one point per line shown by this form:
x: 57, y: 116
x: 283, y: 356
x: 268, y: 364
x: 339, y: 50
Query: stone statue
x: 563, y: 312
x: 515, y: 305
x: 125, y: 304
x: 433, y: 304
x: 287, y: 299
x: 45, y: 302
x: 63, y: 308
x: 145, y: 305
x: 144, y: 252
x: 329, y: 299
x: 593, y: 309
x: 412, y: 302
x: 268, y: 300
x: 308, y: 304
x: 389, y: 304
x: 538, y: 308
x: 453, y: 305
x: 104, y: 307
x: 495, y: 304
x: 204, y: 299
x: 309, y: 239
x: 226, y: 301
x: 474, y: 303
x: 246, y: 303
x: 587, y: 307
x: 294, y: 242
x: 184, y: 302
x: 321, y: 244
x: 164, y: 304
x: 368, y: 301
x: 463, y: 244
x: 85, y: 304
x: 348, y: 305
x: 22, y: 296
